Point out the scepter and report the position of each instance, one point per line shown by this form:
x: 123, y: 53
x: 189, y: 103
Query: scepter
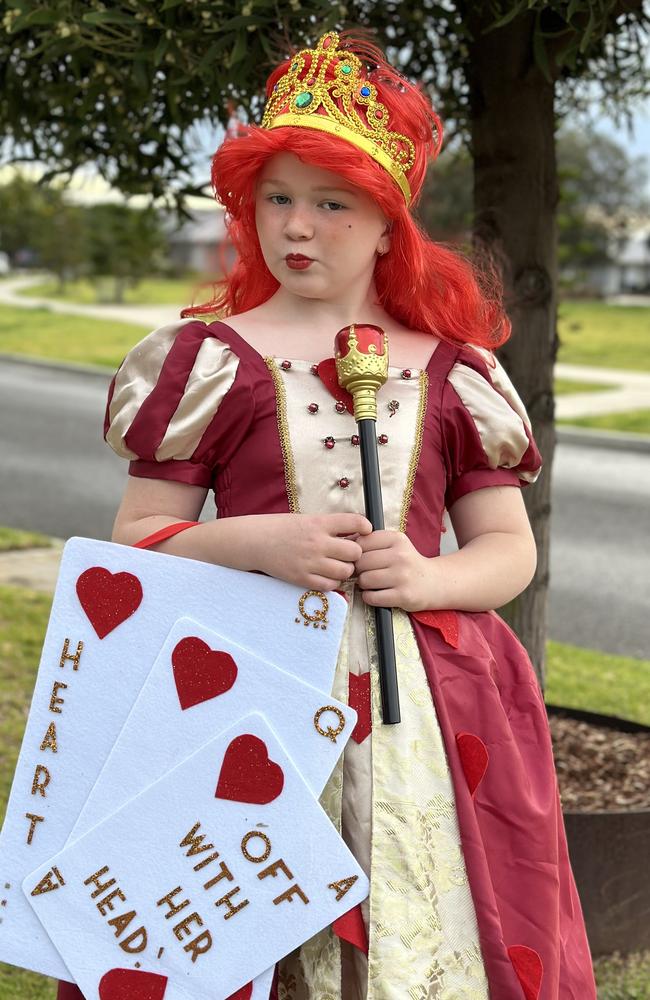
x: 361, y: 353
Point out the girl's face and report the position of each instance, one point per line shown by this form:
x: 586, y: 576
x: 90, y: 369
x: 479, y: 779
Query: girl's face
x: 319, y: 234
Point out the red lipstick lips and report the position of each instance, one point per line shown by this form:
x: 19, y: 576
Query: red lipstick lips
x: 298, y: 261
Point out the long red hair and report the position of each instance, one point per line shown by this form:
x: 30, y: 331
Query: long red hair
x: 421, y: 284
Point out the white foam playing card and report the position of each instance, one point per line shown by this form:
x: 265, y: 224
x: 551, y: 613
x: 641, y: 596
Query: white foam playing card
x: 112, y: 610
x: 200, y: 684
x: 201, y: 882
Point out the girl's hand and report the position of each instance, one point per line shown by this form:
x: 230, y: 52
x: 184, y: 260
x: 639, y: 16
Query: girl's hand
x: 309, y: 550
x: 392, y: 573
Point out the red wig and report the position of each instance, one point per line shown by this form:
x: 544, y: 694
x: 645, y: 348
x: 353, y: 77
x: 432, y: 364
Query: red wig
x: 421, y: 284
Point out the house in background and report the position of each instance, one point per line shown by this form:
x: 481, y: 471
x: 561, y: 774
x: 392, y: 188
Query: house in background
x: 200, y: 244
x: 626, y: 272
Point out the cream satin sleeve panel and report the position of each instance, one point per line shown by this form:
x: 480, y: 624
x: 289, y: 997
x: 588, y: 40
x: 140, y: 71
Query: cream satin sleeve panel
x: 164, y: 402
x: 486, y: 434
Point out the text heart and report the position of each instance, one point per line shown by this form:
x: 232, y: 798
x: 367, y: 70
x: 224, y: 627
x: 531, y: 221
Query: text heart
x: 247, y: 774
x: 201, y: 673
x: 108, y: 598
x: 130, y: 984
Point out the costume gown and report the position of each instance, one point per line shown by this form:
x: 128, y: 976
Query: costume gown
x: 454, y: 813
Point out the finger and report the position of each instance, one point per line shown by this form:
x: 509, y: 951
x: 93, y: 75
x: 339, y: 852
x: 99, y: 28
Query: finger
x: 349, y: 524
x: 335, y: 569
x: 344, y: 549
x: 376, y: 579
x: 316, y: 582
x: 381, y: 598
x: 377, y: 559
x: 377, y: 540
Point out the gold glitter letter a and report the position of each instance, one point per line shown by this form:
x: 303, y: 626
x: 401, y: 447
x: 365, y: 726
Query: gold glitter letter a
x: 49, y: 882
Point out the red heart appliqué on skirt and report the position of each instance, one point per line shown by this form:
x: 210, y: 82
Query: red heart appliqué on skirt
x: 130, y: 984
x: 247, y: 774
x: 201, y: 673
x: 108, y: 598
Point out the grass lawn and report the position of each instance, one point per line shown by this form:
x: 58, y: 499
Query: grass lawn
x: 598, y: 682
x: 632, y: 422
x: 576, y: 677
x: 39, y: 333
x: 565, y: 387
x: 149, y: 292
x: 593, y: 333
x: 11, y: 539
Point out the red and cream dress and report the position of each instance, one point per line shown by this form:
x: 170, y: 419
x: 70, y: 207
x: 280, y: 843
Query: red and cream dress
x: 454, y: 813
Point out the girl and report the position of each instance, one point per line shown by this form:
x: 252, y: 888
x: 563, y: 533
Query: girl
x: 454, y: 813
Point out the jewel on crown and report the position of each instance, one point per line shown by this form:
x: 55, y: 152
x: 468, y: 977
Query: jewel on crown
x: 325, y: 88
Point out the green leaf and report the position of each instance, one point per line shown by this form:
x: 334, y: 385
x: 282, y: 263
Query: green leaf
x: 108, y: 17
x: 160, y: 50
x: 573, y: 8
x: 168, y: 4
x: 212, y: 52
x: 238, y: 49
x: 586, y: 37
x: 242, y: 21
x: 515, y: 11
x: 540, y: 54
x: 34, y: 17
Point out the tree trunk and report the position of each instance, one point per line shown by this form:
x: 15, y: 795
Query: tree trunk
x: 515, y: 199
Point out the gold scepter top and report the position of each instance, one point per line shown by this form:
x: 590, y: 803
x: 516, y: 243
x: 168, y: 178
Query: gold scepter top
x: 361, y: 353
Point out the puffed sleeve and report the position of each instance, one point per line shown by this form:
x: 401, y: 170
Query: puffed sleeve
x: 163, y: 409
x: 486, y: 435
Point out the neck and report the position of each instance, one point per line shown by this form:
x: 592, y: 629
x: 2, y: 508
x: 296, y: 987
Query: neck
x: 327, y: 314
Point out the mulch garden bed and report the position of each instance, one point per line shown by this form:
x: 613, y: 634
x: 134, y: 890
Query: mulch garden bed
x: 600, y: 768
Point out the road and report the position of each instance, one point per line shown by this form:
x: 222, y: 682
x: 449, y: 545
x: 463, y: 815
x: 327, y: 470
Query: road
x: 58, y: 477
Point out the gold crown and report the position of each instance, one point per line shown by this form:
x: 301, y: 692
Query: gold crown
x: 345, y: 104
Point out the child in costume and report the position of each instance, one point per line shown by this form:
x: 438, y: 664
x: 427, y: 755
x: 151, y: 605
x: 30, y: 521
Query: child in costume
x: 454, y: 813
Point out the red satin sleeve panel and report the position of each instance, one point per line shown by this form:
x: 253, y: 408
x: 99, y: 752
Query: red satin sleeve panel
x: 485, y: 433
x: 169, y: 408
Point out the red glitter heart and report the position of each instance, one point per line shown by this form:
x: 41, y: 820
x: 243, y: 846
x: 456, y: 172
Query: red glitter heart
x: 201, y: 673
x: 474, y: 757
x: 131, y: 984
x: 108, y: 598
x: 529, y: 968
x: 327, y: 375
x: 245, y: 993
x: 445, y: 621
x: 247, y: 774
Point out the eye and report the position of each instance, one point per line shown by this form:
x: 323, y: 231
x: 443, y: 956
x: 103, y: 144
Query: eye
x: 332, y: 206
x: 283, y: 199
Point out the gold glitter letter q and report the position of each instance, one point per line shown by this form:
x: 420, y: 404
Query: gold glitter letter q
x: 329, y: 732
x: 316, y: 618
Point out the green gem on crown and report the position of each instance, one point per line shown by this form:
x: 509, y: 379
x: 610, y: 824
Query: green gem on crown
x: 346, y: 69
x: 304, y: 99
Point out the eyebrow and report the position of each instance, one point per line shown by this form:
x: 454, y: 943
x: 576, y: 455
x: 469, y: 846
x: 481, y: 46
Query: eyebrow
x: 326, y: 187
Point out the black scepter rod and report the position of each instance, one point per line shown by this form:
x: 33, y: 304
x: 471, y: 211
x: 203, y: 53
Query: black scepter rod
x: 361, y: 353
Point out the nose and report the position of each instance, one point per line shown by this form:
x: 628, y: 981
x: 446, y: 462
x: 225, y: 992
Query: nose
x: 298, y: 223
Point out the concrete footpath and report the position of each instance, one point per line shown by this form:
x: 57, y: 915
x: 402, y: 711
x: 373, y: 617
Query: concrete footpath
x: 148, y: 317
x: 36, y: 569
